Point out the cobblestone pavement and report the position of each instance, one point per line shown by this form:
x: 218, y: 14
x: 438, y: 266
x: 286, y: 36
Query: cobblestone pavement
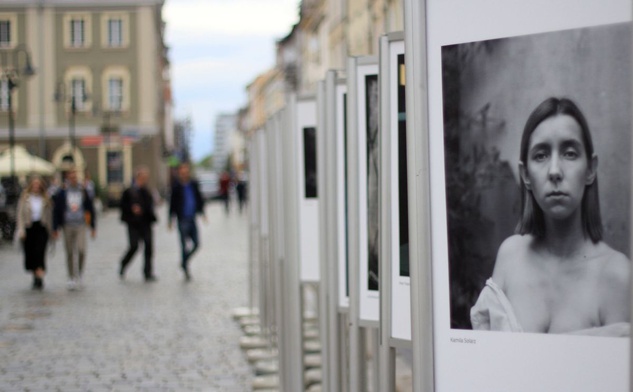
x: 129, y: 335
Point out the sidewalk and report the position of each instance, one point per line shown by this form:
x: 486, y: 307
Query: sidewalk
x: 129, y: 335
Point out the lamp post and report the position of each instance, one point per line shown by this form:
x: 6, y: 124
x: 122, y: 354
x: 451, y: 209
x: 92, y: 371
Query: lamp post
x: 11, y: 73
x: 61, y: 95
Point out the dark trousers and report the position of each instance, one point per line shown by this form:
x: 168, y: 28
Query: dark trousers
x: 188, y: 231
x: 35, y: 247
x: 226, y: 198
x: 136, y: 233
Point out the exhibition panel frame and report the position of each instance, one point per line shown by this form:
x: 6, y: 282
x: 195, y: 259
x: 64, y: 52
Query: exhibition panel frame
x: 394, y: 185
x: 340, y: 174
x: 291, y: 353
x: 365, y: 151
x: 356, y: 228
x: 393, y: 197
x: 277, y: 211
x: 306, y: 147
x: 470, y: 94
x: 264, y: 229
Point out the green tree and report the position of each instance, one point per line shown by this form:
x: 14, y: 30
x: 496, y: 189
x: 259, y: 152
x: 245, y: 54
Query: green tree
x: 206, y: 162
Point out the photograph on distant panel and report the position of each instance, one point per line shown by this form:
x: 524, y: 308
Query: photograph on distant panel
x: 310, y: 162
x: 372, y: 110
x: 403, y: 189
x: 343, y: 109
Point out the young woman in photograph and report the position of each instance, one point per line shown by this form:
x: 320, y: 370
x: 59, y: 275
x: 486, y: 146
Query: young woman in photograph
x: 34, y: 219
x: 557, y: 275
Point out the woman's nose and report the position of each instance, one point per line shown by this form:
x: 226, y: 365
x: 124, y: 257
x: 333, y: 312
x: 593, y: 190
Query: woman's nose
x: 555, y: 172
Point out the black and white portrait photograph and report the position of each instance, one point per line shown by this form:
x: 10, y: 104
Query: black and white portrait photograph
x: 372, y: 110
x: 537, y: 174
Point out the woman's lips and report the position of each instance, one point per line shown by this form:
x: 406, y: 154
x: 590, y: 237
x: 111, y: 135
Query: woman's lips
x: 556, y: 194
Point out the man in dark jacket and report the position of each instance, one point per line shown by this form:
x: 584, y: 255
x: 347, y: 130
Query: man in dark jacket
x: 72, y: 212
x: 186, y: 202
x: 137, y: 211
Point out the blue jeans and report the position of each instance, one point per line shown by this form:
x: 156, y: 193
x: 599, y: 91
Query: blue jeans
x: 188, y: 231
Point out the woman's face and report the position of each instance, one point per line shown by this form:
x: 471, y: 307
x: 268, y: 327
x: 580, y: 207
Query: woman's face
x: 36, y: 186
x: 558, y: 168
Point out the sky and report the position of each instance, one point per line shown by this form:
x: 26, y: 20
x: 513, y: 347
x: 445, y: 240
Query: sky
x: 217, y: 47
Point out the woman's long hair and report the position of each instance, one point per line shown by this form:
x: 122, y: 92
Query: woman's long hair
x: 29, y: 187
x: 532, y: 220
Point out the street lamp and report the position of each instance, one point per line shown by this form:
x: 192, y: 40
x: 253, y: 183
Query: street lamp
x: 61, y: 95
x: 11, y: 73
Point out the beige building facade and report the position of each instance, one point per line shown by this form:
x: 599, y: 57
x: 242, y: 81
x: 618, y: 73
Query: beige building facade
x: 100, y: 98
x: 328, y: 32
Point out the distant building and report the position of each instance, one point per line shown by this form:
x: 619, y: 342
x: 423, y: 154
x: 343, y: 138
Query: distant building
x: 102, y: 66
x: 225, y: 126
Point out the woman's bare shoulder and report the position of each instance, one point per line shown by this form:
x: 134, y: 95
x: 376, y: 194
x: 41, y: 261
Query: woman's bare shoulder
x: 616, y: 267
x: 509, y: 255
x: 614, y: 286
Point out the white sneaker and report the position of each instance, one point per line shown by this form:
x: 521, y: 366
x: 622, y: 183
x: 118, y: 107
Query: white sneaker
x: 72, y: 284
x: 79, y: 282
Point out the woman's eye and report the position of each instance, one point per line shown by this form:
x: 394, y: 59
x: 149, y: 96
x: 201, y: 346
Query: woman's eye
x: 539, y: 156
x: 570, y: 154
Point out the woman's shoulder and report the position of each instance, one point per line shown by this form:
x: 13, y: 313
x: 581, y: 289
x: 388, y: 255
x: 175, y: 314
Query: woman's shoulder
x: 511, y: 253
x: 615, y: 267
x: 514, y: 246
x: 613, y: 285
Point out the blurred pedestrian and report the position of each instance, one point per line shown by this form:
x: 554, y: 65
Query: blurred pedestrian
x: 89, y: 185
x: 225, y: 188
x: 34, y: 221
x: 73, y: 212
x: 185, y: 203
x: 54, y: 187
x: 137, y: 211
x: 240, y: 188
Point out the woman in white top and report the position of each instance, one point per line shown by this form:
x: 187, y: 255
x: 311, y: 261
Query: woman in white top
x: 34, y: 218
x: 557, y: 275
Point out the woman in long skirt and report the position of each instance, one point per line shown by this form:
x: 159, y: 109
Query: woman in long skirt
x: 34, y: 218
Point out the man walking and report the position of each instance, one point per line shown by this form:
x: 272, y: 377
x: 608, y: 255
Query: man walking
x: 137, y: 211
x: 73, y: 212
x: 185, y: 203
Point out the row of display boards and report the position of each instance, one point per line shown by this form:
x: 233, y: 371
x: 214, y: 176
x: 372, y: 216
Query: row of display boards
x: 397, y: 187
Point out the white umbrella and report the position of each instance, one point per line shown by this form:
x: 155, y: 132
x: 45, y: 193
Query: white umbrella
x: 24, y: 163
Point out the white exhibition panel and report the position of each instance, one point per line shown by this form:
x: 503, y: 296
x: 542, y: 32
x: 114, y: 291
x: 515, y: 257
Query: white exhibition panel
x: 262, y: 168
x: 308, y: 204
x: 369, y: 299
x: 290, y: 337
x: 467, y: 360
x: 253, y: 179
x: 400, y: 280
x: 277, y: 217
x: 279, y: 182
x: 341, y: 196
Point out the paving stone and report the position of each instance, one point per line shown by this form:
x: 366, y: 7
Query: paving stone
x: 130, y: 335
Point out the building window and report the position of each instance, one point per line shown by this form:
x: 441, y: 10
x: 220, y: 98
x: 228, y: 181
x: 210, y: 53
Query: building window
x: 5, y: 33
x: 77, y: 33
x: 116, y: 89
x: 78, y: 87
x: 8, y: 29
x: 115, y: 94
x: 115, y: 32
x: 78, y: 92
x: 4, y: 95
x: 77, y: 30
